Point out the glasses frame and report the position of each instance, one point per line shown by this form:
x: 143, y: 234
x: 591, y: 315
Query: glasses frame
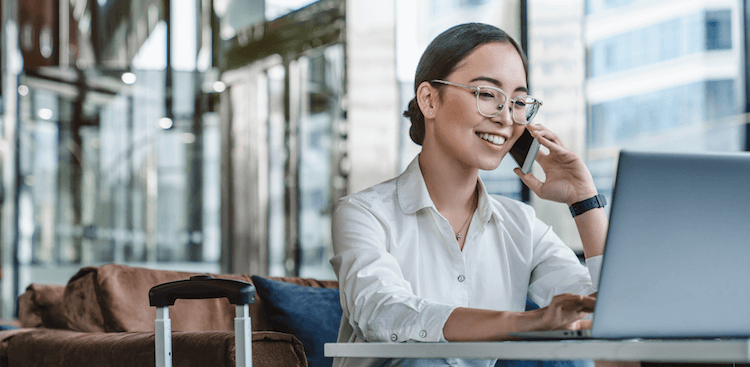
x: 500, y: 108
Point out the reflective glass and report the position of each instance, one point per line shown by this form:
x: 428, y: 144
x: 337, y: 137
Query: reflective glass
x: 321, y: 90
x: 107, y: 185
x: 277, y: 161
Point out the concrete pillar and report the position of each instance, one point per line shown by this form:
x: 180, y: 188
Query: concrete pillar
x: 372, y: 90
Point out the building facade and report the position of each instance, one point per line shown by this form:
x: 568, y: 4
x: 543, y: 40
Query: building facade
x: 663, y: 76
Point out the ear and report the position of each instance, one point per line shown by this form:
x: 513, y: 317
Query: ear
x: 427, y: 99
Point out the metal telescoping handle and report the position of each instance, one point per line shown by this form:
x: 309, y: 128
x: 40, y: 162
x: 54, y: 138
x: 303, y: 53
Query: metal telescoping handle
x: 163, y: 337
x: 238, y: 292
x: 242, y: 337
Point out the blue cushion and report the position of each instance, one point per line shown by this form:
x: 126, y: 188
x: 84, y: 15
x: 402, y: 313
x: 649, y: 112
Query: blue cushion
x: 530, y: 305
x: 311, y: 314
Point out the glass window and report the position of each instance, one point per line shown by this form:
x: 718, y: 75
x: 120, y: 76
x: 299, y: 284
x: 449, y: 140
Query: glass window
x: 593, y: 6
x: 665, y: 109
x: 443, y: 6
x: 321, y: 114
x: 694, y: 105
x: 661, y: 42
x: 108, y: 184
x: 277, y: 160
x: 473, y: 2
x: 718, y: 30
x: 720, y: 99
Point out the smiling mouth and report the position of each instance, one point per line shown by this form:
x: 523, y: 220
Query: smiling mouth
x: 494, y: 139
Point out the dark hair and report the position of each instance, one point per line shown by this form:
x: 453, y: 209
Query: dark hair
x: 441, y: 57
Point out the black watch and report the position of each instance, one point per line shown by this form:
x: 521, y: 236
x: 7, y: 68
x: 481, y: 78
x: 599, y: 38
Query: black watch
x: 583, y: 206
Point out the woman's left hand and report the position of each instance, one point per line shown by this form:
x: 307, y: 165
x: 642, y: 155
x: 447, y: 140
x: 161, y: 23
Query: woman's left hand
x: 568, y: 179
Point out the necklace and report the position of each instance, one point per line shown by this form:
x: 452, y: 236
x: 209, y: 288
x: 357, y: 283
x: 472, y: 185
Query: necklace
x: 471, y: 214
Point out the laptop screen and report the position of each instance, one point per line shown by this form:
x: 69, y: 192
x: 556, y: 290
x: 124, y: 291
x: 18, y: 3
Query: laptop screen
x: 677, y: 258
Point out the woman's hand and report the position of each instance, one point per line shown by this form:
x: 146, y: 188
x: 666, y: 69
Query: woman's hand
x: 568, y: 179
x: 566, y: 311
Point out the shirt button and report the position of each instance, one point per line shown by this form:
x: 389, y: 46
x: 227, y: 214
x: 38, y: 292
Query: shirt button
x: 461, y: 278
x: 394, y: 337
x: 423, y: 334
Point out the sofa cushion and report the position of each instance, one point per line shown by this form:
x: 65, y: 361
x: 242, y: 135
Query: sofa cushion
x: 310, y: 313
x: 115, y: 298
x: 46, y: 347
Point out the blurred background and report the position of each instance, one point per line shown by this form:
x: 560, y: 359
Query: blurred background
x: 216, y: 135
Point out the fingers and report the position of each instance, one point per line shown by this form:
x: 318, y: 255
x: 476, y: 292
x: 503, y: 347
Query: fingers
x: 588, y: 303
x: 539, y: 130
x: 529, y: 180
x: 574, y: 303
x: 549, y: 140
x: 567, y: 310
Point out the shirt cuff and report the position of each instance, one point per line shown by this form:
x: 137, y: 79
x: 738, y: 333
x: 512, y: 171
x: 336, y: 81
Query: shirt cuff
x: 594, y: 264
x: 436, y: 317
x: 429, y: 325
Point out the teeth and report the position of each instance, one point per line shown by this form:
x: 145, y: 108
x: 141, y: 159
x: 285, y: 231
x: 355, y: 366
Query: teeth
x: 494, y: 139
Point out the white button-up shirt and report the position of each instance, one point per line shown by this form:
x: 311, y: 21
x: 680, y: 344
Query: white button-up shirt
x: 401, y: 272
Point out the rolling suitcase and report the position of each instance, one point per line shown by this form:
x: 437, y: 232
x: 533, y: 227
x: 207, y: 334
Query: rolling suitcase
x: 239, y: 293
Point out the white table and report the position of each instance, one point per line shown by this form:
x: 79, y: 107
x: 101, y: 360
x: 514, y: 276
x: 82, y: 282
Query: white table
x: 735, y: 350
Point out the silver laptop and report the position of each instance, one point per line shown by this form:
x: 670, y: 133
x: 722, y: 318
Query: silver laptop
x: 677, y: 259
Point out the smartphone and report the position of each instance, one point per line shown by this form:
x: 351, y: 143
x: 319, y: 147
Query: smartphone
x: 524, y: 151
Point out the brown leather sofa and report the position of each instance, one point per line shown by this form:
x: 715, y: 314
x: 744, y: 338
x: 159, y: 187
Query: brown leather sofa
x: 102, y: 317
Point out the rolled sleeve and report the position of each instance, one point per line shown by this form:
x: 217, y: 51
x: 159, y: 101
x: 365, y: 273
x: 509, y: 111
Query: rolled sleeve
x: 556, y: 268
x: 400, y: 324
x: 594, y: 264
x: 377, y: 302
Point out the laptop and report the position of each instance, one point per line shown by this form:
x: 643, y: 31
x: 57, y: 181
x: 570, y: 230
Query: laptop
x: 677, y: 257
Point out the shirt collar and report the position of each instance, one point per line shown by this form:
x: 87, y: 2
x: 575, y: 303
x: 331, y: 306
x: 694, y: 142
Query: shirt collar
x: 412, y: 191
x: 485, y: 208
x: 413, y: 194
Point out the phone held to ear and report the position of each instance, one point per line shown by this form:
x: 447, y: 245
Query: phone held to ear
x: 524, y: 151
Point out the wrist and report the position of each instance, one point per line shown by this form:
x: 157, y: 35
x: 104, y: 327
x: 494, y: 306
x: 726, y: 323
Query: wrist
x: 583, y: 195
x: 531, y: 321
x: 585, y: 205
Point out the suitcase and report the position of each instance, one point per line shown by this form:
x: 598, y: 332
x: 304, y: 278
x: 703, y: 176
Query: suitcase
x: 239, y: 293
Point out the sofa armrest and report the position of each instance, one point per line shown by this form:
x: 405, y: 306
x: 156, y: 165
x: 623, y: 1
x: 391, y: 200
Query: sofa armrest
x: 114, y: 298
x: 42, y: 306
x: 49, y: 347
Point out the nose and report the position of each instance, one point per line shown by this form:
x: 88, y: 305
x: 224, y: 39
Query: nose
x: 504, y: 117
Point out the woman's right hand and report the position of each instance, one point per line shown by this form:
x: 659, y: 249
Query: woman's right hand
x: 566, y: 312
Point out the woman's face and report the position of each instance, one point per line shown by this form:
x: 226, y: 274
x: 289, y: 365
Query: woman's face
x: 458, y: 129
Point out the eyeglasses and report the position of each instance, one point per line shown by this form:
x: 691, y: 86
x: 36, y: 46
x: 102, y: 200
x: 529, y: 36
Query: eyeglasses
x: 491, y: 100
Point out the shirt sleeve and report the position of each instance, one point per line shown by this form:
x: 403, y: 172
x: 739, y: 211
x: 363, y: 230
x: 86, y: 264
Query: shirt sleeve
x: 376, y: 299
x: 556, y: 268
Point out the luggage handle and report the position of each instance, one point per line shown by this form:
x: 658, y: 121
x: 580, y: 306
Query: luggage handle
x: 202, y: 287
x: 239, y: 293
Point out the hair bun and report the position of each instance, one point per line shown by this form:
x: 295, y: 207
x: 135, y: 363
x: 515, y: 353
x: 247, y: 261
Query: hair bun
x: 416, y: 131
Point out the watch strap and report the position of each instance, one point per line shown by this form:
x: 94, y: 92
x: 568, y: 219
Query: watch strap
x: 583, y: 206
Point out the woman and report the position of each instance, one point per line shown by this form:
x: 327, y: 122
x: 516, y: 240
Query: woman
x: 430, y: 255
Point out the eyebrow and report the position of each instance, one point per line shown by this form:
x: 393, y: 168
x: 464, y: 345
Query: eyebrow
x: 497, y: 82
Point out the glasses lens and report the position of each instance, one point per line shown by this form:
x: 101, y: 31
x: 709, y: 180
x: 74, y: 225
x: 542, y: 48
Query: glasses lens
x: 524, y: 109
x: 489, y: 101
